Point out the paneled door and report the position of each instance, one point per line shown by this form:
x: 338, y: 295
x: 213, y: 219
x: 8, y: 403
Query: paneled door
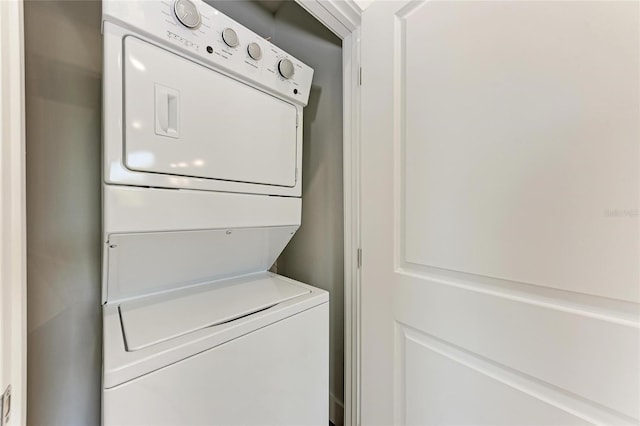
x: 500, y: 197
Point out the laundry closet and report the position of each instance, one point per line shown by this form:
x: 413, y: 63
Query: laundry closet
x: 491, y: 183
x: 64, y: 77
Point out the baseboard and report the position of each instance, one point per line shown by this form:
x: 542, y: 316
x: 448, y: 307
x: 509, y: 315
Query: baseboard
x: 336, y: 410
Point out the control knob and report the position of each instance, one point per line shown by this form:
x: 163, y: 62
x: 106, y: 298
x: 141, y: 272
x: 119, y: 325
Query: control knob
x: 254, y: 50
x: 285, y: 67
x: 187, y: 13
x: 230, y: 37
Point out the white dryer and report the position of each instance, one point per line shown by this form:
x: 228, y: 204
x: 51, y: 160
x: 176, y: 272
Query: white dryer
x: 202, y: 185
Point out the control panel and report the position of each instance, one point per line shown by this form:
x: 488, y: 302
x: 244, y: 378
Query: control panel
x: 200, y: 31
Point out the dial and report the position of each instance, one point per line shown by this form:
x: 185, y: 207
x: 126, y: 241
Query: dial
x: 230, y: 37
x: 285, y: 66
x: 187, y: 13
x: 255, y: 51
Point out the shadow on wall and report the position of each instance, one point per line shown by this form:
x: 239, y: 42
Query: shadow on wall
x: 63, y: 82
x: 311, y: 110
x: 299, y: 20
x: 315, y: 254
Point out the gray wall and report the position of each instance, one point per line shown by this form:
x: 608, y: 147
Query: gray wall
x: 63, y: 52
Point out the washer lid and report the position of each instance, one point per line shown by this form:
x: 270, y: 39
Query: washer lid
x: 154, y: 319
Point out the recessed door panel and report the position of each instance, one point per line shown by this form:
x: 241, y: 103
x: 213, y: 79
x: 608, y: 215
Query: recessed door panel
x: 184, y: 119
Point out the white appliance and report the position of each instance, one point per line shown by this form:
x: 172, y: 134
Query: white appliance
x: 202, y: 186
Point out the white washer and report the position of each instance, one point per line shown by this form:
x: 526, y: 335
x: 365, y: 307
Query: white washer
x: 251, y: 350
x: 202, y: 186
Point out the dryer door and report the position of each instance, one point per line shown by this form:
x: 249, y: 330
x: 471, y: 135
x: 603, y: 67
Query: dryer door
x: 184, y: 119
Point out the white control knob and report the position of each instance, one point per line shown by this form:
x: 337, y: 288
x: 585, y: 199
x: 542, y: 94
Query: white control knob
x: 187, y: 13
x: 285, y: 66
x: 255, y: 51
x: 230, y: 37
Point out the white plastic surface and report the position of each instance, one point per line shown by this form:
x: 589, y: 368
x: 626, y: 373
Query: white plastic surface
x: 120, y: 365
x: 274, y: 375
x: 184, y: 119
x: 157, y: 318
x: 131, y: 209
x: 156, y: 20
x: 144, y: 263
x: 159, y: 115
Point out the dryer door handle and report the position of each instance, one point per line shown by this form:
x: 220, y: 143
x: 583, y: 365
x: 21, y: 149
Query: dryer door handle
x: 167, y: 111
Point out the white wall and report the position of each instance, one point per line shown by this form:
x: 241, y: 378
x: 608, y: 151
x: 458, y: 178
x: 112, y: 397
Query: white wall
x: 363, y: 4
x: 63, y: 49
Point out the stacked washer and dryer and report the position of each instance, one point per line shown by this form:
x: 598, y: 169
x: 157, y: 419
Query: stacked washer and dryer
x: 202, y: 192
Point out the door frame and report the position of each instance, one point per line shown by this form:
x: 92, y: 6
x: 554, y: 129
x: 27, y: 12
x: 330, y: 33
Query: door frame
x: 13, y: 286
x: 342, y: 17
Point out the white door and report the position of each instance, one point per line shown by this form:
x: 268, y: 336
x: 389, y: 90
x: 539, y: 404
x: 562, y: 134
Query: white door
x: 500, y: 195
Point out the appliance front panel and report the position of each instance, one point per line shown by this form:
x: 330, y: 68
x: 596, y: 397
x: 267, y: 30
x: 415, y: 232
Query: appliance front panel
x: 149, y: 262
x: 275, y: 375
x: 184, y: 119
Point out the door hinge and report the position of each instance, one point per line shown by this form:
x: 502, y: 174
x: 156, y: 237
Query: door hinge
x: 5, y: 406
x: 360, y: 76
x: 359, y: 258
